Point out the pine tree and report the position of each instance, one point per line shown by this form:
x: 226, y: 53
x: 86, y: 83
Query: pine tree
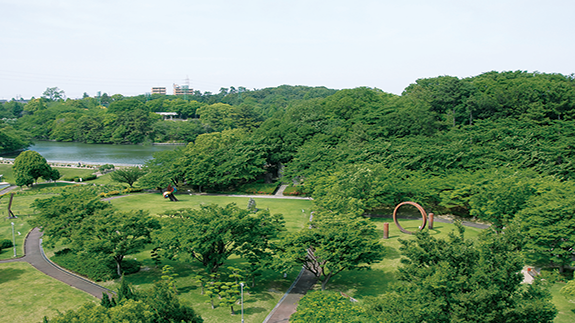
x: 106, y: 301
x: 125, y: 291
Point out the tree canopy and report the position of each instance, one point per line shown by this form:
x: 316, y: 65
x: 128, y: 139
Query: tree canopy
x: 213, y: 233
x: 30, y: 165
x: 462, y: 280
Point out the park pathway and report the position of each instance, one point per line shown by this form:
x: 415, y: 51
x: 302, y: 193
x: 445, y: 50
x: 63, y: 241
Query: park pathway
x: 34, y: 255
x: 281, y: 190
x: 288, y: 304
x: 7, y: 189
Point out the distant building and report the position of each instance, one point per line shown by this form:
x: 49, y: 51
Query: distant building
x: 159, y: 90
x: 182, y: 90
x: 167, y: 115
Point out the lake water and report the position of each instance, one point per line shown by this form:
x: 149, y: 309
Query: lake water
x: 74, y: 152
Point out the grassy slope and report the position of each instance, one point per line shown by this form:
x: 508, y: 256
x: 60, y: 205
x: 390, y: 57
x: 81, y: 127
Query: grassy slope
x: 28, y: 295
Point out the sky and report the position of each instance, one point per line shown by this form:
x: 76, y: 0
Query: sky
x: 128, y: 47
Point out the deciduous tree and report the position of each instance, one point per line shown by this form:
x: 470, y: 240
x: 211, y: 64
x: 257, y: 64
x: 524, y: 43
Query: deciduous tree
x: 30, y: 165
x: 128, y: 175
x: 334, y: 243
x: 213, y: 233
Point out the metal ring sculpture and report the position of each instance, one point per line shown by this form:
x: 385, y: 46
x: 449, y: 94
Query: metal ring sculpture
x: 421, y: 210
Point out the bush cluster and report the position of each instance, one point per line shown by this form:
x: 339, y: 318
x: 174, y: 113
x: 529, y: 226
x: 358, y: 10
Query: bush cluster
x: 131, y: 190
x: 294, y: 191
x: 108, y: 194
x: 5, y: 244
x: 94, y: 267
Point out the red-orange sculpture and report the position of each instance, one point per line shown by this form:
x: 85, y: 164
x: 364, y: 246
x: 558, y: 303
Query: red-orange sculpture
x: 421, y: 210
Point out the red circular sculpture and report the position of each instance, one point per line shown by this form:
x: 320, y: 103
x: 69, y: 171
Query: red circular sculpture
x: 421, y: 210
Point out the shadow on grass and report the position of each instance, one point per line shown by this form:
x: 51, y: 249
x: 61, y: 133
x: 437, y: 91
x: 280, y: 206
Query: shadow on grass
x: 391, y: 253
x: 10, y: 274
x: 186, y: 289
x: 252, y: 310
x: 362, y: 283
x: 257, y: 297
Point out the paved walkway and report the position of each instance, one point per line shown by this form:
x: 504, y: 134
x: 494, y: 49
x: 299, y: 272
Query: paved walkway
x: 281, y: 190
x: 35, y: 256
x: 7, y: 189
x: 288, y: 304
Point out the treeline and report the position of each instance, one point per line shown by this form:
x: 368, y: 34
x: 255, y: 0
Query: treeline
x: 131, y: 120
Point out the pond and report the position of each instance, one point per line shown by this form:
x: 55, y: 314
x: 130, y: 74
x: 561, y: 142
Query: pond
x: 75, y: 152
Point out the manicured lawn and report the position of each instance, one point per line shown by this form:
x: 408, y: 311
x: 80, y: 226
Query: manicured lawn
x: 28, y: 295
x: 7, y: 173
x: 20, y: 203
x: 6, y: 170
x: 103, y: 180
x: 73, y: 172
x: 156, y: 204
x: 21, y: 228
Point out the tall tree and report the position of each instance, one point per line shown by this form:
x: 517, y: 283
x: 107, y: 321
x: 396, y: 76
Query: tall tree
x: 128, y: 175
x: 54, y: 94
x: 62, y: 216
x: 213, y: 233
x: 30, y: 165
x: 548, y: 221
x: 115, y: 234
x: 334, y: 243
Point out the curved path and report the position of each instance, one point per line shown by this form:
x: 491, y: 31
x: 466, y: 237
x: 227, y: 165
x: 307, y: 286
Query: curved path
x: 35, y: 256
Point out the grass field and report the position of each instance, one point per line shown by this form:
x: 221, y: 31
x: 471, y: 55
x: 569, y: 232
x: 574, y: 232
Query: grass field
x: 157, y: 204
x: 21, y: 228
x: 28, y: 295
x: 7, y: 173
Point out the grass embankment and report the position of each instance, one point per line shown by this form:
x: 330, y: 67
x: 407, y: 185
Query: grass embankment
x: 28, y: 295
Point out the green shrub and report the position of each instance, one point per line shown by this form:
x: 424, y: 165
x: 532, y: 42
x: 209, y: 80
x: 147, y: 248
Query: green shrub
x: 95, y: 267
x: 5, y: 243
x: 294, y: 191
x: 131, y: 190
x: 130, y: 266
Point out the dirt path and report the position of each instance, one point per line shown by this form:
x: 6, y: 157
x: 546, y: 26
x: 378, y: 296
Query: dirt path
x: 34, y: 255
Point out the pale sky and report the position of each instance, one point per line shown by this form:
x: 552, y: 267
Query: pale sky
x: 127, y: 47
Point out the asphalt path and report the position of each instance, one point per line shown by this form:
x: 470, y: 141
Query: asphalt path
x: 34, y: 255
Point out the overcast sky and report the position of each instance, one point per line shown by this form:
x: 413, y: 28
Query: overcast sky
x: 127, y: 47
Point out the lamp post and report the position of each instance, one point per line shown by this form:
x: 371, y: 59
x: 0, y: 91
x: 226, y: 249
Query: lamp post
x: 242, y: 292
x: 13, y: 239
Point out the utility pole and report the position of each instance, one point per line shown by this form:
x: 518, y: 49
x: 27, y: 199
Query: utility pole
x: 13, y: 240
x: 242, y: 285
